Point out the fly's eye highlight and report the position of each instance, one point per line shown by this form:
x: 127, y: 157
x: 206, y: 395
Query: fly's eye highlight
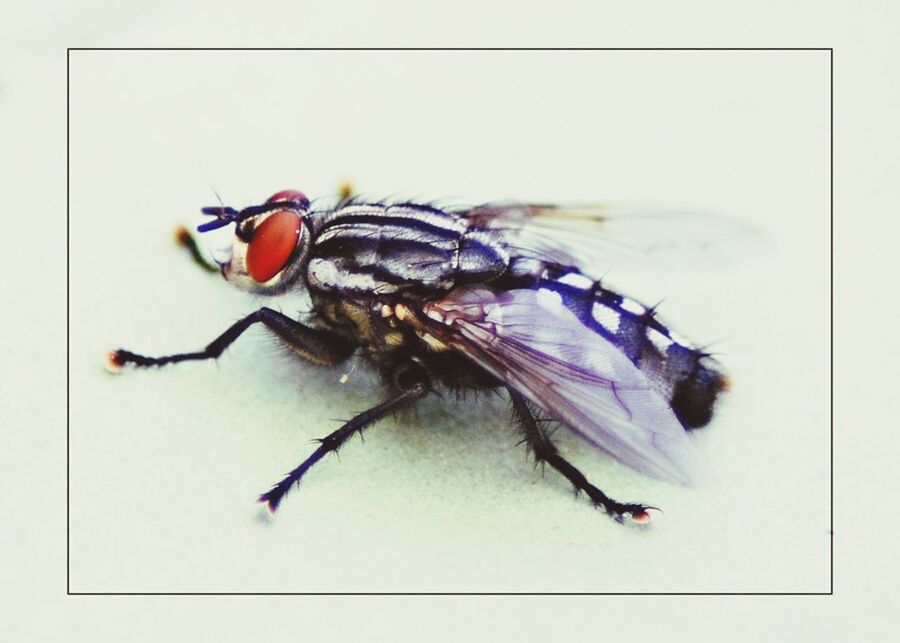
x: 274, y: 240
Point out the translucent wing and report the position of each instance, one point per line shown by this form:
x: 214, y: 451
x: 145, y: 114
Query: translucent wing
x: 534, y: 344
x: 618, y: 238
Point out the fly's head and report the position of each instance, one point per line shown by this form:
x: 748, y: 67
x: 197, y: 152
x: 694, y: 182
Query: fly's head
x: 271, y: 242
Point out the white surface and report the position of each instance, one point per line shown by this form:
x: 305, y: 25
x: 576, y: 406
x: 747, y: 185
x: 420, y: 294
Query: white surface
x: 165, y: 464
x: 32, y: 373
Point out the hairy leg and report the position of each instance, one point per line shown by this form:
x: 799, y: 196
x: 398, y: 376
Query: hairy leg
x: 545, y: 451
x: 333, y: 441
x: 312, y: 344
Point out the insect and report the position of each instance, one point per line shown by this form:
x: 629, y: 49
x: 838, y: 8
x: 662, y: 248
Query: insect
x: 486, y: 297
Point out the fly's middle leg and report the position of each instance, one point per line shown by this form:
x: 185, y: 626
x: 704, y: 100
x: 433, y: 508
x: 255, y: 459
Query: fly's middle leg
x: 545, y: 451
x: 315, y: 345
x: 407, y: 392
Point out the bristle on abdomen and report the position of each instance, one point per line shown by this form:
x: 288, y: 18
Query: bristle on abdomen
x: 687, y: 376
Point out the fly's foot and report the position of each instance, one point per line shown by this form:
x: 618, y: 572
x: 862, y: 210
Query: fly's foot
x: 113, y: 362
x: 638, y: 514
x: 117, y: 359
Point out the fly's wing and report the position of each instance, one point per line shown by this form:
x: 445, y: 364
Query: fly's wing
x: 625, y: 239
x: 529, y: 340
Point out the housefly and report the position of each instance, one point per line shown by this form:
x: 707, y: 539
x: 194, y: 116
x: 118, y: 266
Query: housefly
x: 494, y: 296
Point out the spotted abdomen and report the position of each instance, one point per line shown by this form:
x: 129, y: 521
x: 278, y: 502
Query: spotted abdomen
x: 686, y: 375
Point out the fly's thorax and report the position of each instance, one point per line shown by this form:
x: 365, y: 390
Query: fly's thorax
x: 380, y: 250
x: 389, y: 329
x: 362, y: 319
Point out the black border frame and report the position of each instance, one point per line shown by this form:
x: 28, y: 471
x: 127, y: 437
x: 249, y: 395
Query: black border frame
x: 830, y: 51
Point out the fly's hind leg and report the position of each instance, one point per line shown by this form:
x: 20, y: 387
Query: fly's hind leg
x: 545, y: 451
x: 315, y: 345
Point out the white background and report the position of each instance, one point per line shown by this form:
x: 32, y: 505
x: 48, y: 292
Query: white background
x: 165, y: 464
x: 33, y: 415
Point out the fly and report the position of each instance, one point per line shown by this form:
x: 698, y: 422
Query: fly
x: 486, y: 297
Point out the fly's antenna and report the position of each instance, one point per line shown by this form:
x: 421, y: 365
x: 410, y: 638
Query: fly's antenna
x: 224, y: 215
x: 218, y: 196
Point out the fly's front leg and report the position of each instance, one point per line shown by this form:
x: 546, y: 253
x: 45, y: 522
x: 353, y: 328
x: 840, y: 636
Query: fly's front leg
x: 186, y: 240
x: 545, y: 451
x: 312, y: 344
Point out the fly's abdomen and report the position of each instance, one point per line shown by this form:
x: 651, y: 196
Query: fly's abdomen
x: 684, y: 374
x: 362, y: 250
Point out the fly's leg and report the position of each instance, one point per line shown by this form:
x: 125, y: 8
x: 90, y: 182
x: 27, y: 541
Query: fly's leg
x: 545, y: 451
x: 408, y: 396
x: 186, y: 240
x: 312, y: 344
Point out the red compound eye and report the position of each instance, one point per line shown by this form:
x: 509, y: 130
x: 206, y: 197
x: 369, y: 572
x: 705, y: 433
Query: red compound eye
x: 294, y: 196
x: 273, y: 242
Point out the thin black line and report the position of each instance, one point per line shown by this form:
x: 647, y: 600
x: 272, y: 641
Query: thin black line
x: 69, y: 592
x: 68, y: 545
x: 449, y: 593
x: 831, y: 307
x: 449, y: 49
